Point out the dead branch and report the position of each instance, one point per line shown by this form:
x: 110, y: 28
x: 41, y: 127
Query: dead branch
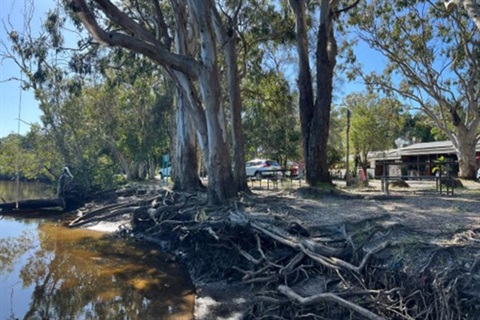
x: 293, y: 241
x: 112, y: 214
x: 263, y: 279
x: 247, y: 256
x: 287, y: 291
x: 292, y: 264
x: 251, y: 274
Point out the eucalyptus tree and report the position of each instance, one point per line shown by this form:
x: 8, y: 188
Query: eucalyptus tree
x: 42, y: 59
x: 315, y: 107
x: 433, y: 62
x: 195, y: 71
x: 226, y: 29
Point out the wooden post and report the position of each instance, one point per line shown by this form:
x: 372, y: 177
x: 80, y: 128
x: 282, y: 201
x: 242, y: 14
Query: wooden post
x: 347, y: 156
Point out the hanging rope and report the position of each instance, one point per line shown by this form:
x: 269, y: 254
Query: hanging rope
x: 17, y: 156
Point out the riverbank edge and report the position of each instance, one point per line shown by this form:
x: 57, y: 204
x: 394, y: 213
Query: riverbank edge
x: 225, y: 299
x: 213, y: 300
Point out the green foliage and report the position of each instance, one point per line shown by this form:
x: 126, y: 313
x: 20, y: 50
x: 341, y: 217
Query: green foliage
x: 375, y: 122
x: 439, y: 164
x: 102, y: 114
x: 433, y: 64
x: 20, y: 152
x: 419, y: 127
x: 270, y: 119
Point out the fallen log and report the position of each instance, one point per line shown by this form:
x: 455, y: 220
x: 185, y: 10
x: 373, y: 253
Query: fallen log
x: 32, y: 204
x: 112, y: 214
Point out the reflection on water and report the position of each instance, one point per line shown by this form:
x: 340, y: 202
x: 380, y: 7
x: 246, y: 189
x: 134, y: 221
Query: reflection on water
x: 27, y: 190
x: 51, y: 272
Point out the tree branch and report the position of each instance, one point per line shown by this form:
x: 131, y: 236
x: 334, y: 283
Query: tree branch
x: 142, y: 42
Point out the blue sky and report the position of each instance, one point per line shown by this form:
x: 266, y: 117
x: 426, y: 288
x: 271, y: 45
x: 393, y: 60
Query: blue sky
x: 13, y: 99
x: 11, y: 12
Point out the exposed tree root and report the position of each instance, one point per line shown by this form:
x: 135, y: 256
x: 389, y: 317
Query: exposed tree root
x: 361, y: 272
x: 327, y: 297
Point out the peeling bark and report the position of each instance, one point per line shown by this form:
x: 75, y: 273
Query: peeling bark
x: 189, y: 73
x: 185, y: 164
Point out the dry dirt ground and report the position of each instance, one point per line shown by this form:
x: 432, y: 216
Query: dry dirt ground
x: 418, y: 207
x: 444, y: 221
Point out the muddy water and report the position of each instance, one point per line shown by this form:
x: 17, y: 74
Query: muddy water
x: 48, y: 271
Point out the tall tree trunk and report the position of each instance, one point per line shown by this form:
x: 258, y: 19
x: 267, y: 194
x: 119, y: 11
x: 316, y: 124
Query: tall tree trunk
x: 185, y: 164
x: 320, y: 126
x: 151, y: 165
x: 315, y: 117
x: 467, y: 142
x: 305, y: 86
x: 228, y: 38
x: 239, y: 174
x: 220, y: 177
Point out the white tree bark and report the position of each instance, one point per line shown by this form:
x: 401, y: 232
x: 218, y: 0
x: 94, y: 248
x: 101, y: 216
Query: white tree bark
x: 207, y: 110
x: 471, y: 6
x: 219, y: 162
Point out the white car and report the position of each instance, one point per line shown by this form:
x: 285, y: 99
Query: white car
x: 262, y: 168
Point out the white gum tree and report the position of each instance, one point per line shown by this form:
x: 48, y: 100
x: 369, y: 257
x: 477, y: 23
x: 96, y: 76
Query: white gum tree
x: 194, y: 69
x: 433, y: 62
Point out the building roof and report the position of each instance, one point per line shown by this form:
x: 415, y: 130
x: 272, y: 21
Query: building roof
x: 436, y: 147
x: 392, y: 154
x: 423, y: 148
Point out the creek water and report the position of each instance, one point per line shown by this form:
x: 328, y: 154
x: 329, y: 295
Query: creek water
x: 48, y: 271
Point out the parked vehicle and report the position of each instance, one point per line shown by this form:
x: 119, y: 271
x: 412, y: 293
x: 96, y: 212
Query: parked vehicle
x: 293, y: 167
x: 262, y: 168
x: 165, y: 172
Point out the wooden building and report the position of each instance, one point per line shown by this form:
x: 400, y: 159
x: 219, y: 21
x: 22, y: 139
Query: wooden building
x: 416, y: 159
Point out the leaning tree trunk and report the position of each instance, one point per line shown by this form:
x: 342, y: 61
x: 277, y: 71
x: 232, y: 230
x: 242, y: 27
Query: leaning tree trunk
x: 185, y: 164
